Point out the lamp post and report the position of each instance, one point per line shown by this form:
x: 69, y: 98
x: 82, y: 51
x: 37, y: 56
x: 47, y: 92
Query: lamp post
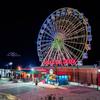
x: 10, y: 64
x: 32, y: 69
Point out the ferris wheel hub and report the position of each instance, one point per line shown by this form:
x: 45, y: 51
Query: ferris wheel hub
x: 58, y: 41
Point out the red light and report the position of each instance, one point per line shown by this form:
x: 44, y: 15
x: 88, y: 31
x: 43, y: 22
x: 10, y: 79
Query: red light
x: 65, y: 61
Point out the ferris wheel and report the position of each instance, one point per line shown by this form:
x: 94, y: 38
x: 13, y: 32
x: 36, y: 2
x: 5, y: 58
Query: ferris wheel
x: 64, y: 37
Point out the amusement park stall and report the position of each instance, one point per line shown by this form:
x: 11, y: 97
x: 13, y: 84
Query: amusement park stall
x: 83, y: 75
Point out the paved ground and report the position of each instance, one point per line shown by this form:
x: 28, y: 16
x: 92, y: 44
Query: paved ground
x: 68, y: 92
x: 3, y: 80
x: 28, y: 91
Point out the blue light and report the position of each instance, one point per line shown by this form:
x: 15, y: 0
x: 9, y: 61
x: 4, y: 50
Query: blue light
x: 59, y: 76
x: 62, y: 76
x: 48, y: 82
x: 65, y: 76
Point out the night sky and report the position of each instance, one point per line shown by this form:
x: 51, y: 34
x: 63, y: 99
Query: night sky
x: 20, y: 24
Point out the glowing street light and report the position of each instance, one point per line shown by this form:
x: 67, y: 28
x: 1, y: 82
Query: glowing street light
x: 10, y: 63
x: 32, y: 69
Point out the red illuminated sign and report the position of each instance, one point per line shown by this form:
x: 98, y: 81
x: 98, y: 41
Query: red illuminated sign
x: 65, y: 61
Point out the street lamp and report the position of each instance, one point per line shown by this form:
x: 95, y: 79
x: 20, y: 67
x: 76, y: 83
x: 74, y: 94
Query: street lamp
x: 32, y: 69
x: 10, y: 64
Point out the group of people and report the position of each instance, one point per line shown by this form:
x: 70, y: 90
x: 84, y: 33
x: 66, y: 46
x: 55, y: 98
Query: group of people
x: 52, y: 97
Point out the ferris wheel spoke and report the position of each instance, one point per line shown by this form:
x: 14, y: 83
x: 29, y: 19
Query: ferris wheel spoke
x: 73, y: 47
x: 51, y: 25
x: 52, y: 28
x: 61, y: 53
x: 50, y: 31
x: 62, y: 23
x: 72, y: 54
x: 46, y: 49
x: 65, y: 24
x: 75, y: 37
x: 45, y: 32
x: 46, y: 41
x: 54, y: 57
x: 71, y: 24
x: 57, y: 23
x: 75, y: 32
x: 66, y: 27
x: 51, y: 54
x: 67, y: 49
x: 67, y: 53
x: 46, y: 44
x: 59, y: 56
x: 56, y: 26
x: 81, y: 43
x: 67, y: 21
x: 46, y: 57
x: 73, y: 28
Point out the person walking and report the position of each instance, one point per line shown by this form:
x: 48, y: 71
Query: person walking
x: 0, y: 76
x: 36, y: 82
